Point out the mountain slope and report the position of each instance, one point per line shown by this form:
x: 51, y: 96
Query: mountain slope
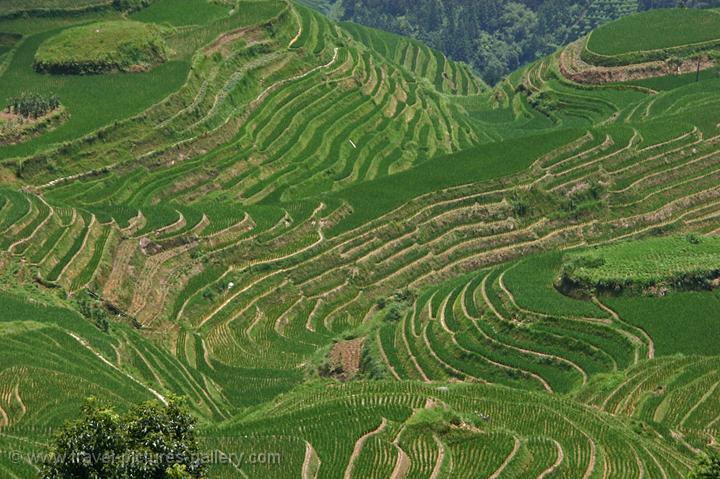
x: 317, y: 201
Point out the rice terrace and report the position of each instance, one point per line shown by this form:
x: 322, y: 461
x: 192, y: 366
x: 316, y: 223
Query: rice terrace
x: 254, y: 238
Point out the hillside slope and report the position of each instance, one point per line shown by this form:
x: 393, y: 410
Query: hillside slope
x: 494, y: 36
x: 286, y: 190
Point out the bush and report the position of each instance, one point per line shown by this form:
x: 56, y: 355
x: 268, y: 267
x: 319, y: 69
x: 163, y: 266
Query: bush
x: 150, y: 441
x: 130, y: 5
x: 95, y: 312
x: 33, y: 105
x: 708, y: 467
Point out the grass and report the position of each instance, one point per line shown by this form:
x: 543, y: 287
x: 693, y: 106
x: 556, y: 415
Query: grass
x: 10, y: 7
x: 184, y: 12
x: 7, y: 41
x: 679, y: 323
x: 85, y: 97
x: 102, y: 47
x: 676, y: 261
x: 655, y: 30
x: 373, y: 198
x: 452, y: 210
x: 532, y: 283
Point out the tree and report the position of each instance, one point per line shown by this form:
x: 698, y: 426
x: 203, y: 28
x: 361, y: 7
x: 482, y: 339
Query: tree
x: 151, y: 441
x: 708, y: 467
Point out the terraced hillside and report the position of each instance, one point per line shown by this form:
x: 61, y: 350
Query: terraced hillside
x: 343, y: 248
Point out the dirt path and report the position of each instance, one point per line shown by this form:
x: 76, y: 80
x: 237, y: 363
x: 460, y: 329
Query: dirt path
x: 445, y: 366
x: 508, y: 459
x: 640, y: 465
x: 177, y: 225
x: 627, y: 381
x: 359, y: 445
x: 516, y: 348
x: 4, y: 419
x: 309, y: 323
x: 135, y: 224
x: 538, y: 378
x: 282, y: 320
x: 412, y: 357
x: 235, y: 295
x: 440, y: 458
x: 311, y: 463
x: 18, y: 398
x: 206, y: 354
x: 657, y: 463
x: 79, y: 251
x: 259, y: 314
x: 51, y: 212
x: 558, y: 461
x: 384, y: 357
x: 300, y: 28
x: 226, y: 38
x: 402, y: 464
x: 537, y: 353
x: 152, y: 280
x: 593, y: 458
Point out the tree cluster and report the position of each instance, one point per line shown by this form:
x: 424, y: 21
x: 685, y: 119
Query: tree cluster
x: 496, y: 36
x: 707, y: 467
x: 151, y: 441
x: 32, y: 105
x: 94, y: 311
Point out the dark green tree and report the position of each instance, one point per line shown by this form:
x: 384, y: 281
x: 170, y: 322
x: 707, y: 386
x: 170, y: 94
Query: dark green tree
x: 151, y: 441
x: 708, y: 467
x: 495, y: 36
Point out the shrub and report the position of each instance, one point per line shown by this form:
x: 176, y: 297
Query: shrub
x: 151, y: 440
x: 708, y: 467
x: 130, y: 5
x: 95, y: 312
x: 33, y: 105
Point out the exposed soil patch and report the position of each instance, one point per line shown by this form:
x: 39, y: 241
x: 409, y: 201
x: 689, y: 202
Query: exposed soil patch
x: 344, y: 359
x: 15, y: 128
x: 249, y: 34
x: 575, y: 68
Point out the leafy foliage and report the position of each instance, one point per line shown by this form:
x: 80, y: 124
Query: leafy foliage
x: 150, y: 441
x: 32, y: 105
x: 496, y: 37
x: 708, y: 467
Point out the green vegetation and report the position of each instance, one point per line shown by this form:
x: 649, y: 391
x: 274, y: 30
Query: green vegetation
x: 708, y: 467
x: 58, y: 8
x: 187, y: 12
x: 342, y: 247
x: 497, y: 37
x: 680, y: 262
x: 102, y: 47
x: 151, y: 440
x: 8, y: 41
x: 656, y: 30
x: 29, y: 114
x: 679, y: 323
x: 31, y: 105
x: 438, y: 419
x: 12, y: 8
